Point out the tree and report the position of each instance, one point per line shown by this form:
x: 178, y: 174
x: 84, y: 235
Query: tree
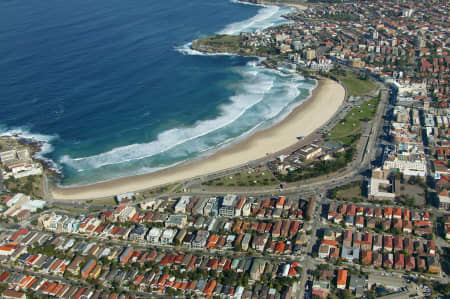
x: 442, y: 288
x: 344, y: 294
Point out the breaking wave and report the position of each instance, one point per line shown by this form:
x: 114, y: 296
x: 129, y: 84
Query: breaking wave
x: 267, y: 16
x: 44, y: 141
x: 260, y: 98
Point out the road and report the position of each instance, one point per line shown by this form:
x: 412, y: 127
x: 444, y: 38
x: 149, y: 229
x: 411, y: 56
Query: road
x: 2, y: 186
x: 365, y: 154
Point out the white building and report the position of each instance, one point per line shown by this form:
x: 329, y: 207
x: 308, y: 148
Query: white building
x: 124, y: 196
x: 228, y: 204
x: 181, y: 205
x: 154, y: 234
x: 168, y: 235
x: 375, y: 191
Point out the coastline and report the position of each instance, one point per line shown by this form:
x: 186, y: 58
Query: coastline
x: 325, y: 100
x: 298, y: 6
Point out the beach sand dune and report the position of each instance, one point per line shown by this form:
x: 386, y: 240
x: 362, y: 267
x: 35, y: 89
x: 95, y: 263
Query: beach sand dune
x: 304, y: 120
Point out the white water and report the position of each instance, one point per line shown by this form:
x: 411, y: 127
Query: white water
x: 43, y: 140
x: 261, y: 96
x: 267, y: 16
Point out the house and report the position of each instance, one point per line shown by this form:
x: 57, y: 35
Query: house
x: 334, y: 254
x: 200, y: 239
x: 366, y: 257
x: 324, y: 251
x: 397, y: 213
x: 6, y: 250
x: 408, y: 246
x: 181, y: 205
x: 431, y: 248
x: 433, y: 265
x: 348, y: 237
x: 444, y: 200
x: 397, y: 224
x: 407, y: 226
x: 12, y: 294
x: 386, y: 224
x: 377, y: 242
x: 321, y: 288
x: 387, y: 212
x: 359, y: 221
x: 259, y: 242
x: 377, y: 259
x: 350, y: 254
x: 410, y: 263
x: 366, y: 242
x: 369, y: 212
x: 179, y: 221
x: 349, y: 220
x: 341, y: 279
x: 168, y: 235
x: 90, y: 265
x: 399, y: 259
x: 280, y: 202
x: 378, y: 213
x: 126, y: 255
x: 387, y: 243
x: 388, y: 260
x: 240, y: 206
x: 74, y: 266
x: 357, y: 285
x: 372, y: 223
x: 154, y: 234
x: 421, y: 263
x: 398, y: 243
x: 257, y: 269
x: 423, y: 231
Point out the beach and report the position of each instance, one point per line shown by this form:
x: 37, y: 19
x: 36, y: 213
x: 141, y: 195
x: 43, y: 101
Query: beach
x: 325, y: 100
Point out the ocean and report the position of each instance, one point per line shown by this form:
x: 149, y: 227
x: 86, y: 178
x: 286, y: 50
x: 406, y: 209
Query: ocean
x: 112, y: 89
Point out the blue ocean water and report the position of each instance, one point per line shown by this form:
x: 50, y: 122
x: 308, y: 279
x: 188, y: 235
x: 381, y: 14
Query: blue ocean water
x: 112, y: 88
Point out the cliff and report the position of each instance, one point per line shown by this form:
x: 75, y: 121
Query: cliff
x: 232, y: 44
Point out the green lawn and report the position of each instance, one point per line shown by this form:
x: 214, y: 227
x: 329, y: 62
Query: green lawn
x: 350, y: 127
x: 353, y: 191
x: 356, y: 86
x: 254, y: 177
x: 104, y: 201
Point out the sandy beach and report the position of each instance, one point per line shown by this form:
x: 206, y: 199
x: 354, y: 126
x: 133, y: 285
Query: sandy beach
x: 299, y: 7
x: 304, y: 120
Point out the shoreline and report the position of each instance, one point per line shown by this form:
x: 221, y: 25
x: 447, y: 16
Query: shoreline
x: 304, y: 120
x: 297, y: 6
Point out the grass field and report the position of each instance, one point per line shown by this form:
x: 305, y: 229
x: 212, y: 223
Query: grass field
x: 104, y: 201
x: 356, y: 86
x: 353, y: 191
x: 247, y: 178
x: 351, y: 125
x: 31, y: 185
x: 159, y: 191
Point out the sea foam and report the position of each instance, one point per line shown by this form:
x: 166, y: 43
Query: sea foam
x: 252, y: 93
x: 263, y: 97
x: 43, y: 140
